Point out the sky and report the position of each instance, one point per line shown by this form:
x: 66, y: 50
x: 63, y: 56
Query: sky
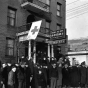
x: 77, y: 18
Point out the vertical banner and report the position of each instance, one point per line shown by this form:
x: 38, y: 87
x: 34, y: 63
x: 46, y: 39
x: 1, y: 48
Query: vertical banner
x: 34, y: 30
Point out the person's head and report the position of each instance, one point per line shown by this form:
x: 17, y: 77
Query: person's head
x: 44, y: 58
x: 3, y: 65
x: 22, y: 57
x: 13, y: 68
x: 52, y: 58
x: 83, y: 63
x: 9, y: 64
x: 26, y: 65
x: 40, y: 72
x: 73, y: 61
x: 17, y: 65
x: 66, y: 65
x: 60, y: 60
x: 54, y: 65
x: 74, y: 58
x: 22, y: 65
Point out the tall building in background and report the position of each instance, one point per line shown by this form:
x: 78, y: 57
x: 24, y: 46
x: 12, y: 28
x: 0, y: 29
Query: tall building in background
x: 16, y: 17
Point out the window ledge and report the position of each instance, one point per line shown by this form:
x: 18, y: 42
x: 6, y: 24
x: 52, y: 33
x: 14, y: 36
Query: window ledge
x: 59, y: 16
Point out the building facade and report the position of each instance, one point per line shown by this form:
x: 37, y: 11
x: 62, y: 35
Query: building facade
x: 16, y: 16
x: 80, y: 56
x: 78, y: 49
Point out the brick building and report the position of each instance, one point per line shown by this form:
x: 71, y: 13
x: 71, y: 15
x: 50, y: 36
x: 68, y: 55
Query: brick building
x: 15, y: 16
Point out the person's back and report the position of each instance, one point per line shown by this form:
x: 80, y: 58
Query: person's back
x: 11, y: 77
x: 53, y: 76
x: 20, y: 77
x: 83, y: 75
x: 74, y: 76
x: 65, y: 79
x: 20, y: 74
x: 5, y: 75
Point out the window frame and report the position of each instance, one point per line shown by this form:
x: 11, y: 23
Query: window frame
x: 11, y: 18
x: 47, y: 28
x: 59, y: 26
x: 47, y: 4
x: 8, y: 47
x: 59, y: 10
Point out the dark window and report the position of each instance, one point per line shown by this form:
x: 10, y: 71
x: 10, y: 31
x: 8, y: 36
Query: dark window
x: 47, y: 27
x: 11, y: 16
x: 58, y: 27
x: 57, y: 51
x: 9, y: 47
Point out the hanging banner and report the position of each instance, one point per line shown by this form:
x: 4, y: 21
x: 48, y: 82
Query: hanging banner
x: 34, y: 30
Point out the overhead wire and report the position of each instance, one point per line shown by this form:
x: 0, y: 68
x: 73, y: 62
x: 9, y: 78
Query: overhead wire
x: 78, y: 7
x: 72, y: 2
x: 86, y: 11
x: 77, y: 15
x: 77, y: 11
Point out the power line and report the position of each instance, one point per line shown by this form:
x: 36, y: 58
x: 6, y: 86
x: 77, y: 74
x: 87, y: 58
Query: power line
x: 77, y: 7
x: 73, y: 12
x: 72, y: 2
x: 72, y: 16
x: 77, y: 15
x: 77, y: 12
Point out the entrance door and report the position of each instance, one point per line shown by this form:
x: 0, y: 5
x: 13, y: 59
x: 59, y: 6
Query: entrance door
x: 41, y: 49
x: 57, y: 50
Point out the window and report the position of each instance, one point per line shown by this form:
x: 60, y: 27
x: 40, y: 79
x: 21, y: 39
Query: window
x: 47, y: 27
x: 47, y: 4
x: 58, y: 27
x: 58, y: 9
x: 47, y: 24
x: 11, y: 16
x: 9, y: 47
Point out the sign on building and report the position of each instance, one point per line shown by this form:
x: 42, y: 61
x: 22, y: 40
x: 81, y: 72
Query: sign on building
x: 58, y: 34
x: 62, y: 41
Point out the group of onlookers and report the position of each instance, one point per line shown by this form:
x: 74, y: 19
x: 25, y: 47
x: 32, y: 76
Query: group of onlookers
x: 14, y: 76
x: 45, y: 73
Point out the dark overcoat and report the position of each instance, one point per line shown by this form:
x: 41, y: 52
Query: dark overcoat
x: 65, y: 73
x: 74, y: 76
x: 83, y: 75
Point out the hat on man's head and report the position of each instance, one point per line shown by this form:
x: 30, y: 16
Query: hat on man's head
x: 83, y: 63
x: 13, y: 66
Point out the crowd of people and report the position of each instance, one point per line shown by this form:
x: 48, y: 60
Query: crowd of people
x: 45, y: 73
